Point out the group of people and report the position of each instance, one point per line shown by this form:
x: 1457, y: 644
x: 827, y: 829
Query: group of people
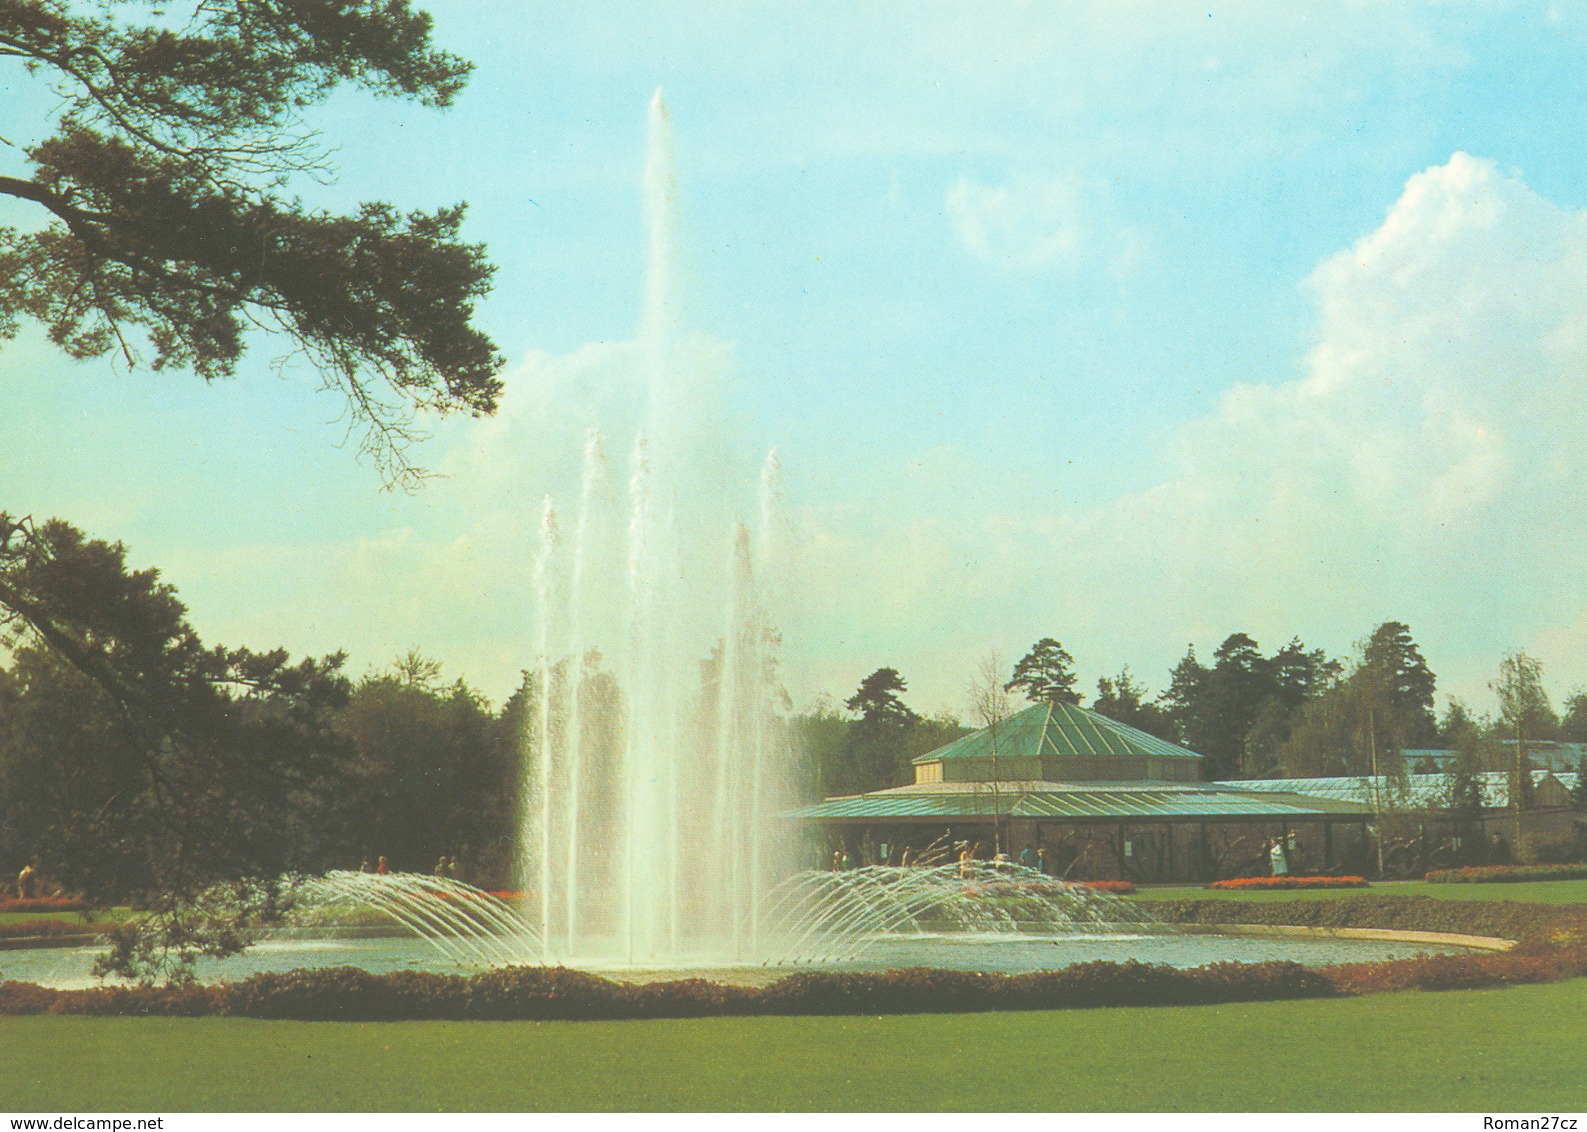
x: 944, y: 851
x: 445, y: 866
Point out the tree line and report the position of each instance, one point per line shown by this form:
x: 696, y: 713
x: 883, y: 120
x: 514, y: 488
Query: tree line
x: 1293, y: 713
x: 135, y: 759
x: 138, y: 762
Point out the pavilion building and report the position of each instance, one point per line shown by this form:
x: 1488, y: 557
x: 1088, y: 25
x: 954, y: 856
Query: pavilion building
x: 1108, y: 801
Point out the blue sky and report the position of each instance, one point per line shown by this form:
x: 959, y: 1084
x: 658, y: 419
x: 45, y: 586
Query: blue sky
x: 1135, y: 326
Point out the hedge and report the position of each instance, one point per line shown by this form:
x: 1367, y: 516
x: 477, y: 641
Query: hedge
x: 1545, y: 923
x: 1553, y: 945
x: 42, y: 904
x: 347, y: 994
x: 1499, y: 874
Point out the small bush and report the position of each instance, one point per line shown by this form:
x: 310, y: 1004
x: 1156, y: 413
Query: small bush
x: 513, y: 993
x: 908, y: 991
x: 1547, y: 849
x: 686, y: 998
x: 1504, y: 874
x: 182, y: 1000
x: 345, y: 994
x: 1261, y: 883
x: 26, y: 998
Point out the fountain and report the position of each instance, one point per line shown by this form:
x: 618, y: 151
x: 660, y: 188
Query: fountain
x: 834, y: 917
x: 654, y: 759
x: 464, y: 925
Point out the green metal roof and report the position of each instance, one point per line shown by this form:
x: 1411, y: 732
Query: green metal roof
x: 1411, y: 791
x: 1057, y: 731
x: 1063, y: 804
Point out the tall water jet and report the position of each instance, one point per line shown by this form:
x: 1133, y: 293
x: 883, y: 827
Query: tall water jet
x: 651, y: 774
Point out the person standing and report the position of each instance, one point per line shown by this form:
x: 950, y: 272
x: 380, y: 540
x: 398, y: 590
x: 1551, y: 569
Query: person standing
x: 1277, y: 859
x: 27, y: 882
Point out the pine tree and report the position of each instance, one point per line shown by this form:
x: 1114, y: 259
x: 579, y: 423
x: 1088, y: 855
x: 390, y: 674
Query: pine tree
x: 1045, y: 673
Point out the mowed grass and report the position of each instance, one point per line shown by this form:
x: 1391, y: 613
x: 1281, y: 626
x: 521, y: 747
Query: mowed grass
x: 1529, y: 891
x: 1490, y: 1050
x: 102, y: 916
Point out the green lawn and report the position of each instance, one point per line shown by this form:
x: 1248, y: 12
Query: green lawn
x: 1491, y: 1050
x: 102, y: 916
x: 1531, y: 891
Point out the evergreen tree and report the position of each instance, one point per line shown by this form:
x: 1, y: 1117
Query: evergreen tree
x: 1185, y: 700
x: 1457, y: 723
x: 1299, y: 673
x: 152, y: 214
x: 1045, y: 673
x: 876, y: 748
x: 1392, y: 661
x: 1573, y: 724
x: 1123, y: 699
x: 215, y: 764
x: 1236, y: 690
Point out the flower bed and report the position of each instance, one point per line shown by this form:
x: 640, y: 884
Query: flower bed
x: 1267, y: 883
x: 1499, y: 874
x: 1120, y: 887
x: 42, y: 904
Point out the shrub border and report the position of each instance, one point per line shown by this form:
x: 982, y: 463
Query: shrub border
x: 1506, y: 874
x: 1551, y: 945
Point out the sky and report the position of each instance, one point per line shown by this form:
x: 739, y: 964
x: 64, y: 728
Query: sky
x: 1132, y: 326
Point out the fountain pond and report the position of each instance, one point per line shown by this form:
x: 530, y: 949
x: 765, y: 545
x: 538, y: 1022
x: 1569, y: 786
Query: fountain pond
x: 1002, y: 919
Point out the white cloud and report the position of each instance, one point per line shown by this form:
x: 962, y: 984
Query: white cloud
x: 1425, y: 467
x: 1030, y: 224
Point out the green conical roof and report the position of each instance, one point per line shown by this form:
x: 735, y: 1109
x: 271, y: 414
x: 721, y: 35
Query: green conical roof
x: 1058, y: 731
